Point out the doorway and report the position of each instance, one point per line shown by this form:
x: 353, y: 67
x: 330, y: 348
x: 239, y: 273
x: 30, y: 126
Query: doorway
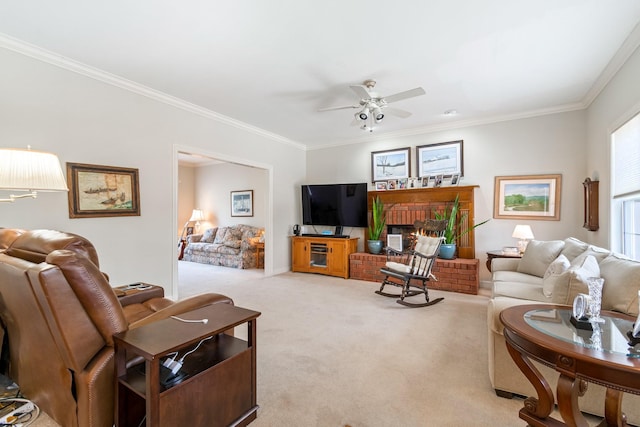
x: 204, y: 166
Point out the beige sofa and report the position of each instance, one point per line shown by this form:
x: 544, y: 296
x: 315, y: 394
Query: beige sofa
x: 554, y: 272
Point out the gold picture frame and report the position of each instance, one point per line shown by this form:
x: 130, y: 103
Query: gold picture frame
x: 528, y: 197
x: 102, y: 191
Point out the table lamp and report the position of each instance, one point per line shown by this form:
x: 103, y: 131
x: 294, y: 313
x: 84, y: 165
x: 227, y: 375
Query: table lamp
x: 196, y: 216
x: 524, y: 233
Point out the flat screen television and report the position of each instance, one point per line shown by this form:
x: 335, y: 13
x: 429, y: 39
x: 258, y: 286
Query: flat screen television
x: 339, y: 205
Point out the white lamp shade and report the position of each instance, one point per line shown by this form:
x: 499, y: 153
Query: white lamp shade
x: 522, y: 232
x: 197, y: 215
x: 29, y: 170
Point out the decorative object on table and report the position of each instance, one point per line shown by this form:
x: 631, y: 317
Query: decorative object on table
x: 29, y: 170
x: 595, y: 285
x: 392, y: 184
x: 510, y: 250
x: 296, y: 230
x: 376, y: 226
x: 524, y: 233
x: 580, y: 314
x: 455, y: 179
x: 425, y: 182
x: 242, y: 203
x: 102, y: 191
x: 402, y: 183
x: 454, y: 230
x: 445, y: 158
x: 527, y: 197
x: 437, y: 180
x: 634, y: 335
x: 390, y: 164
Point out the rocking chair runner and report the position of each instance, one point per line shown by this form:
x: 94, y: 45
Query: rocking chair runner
x: 411, y: 270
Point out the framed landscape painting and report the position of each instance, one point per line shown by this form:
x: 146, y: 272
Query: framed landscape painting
x: 527, y: 197
x: 390, y: 164
x: 445, y: 159
x: 100, y: 191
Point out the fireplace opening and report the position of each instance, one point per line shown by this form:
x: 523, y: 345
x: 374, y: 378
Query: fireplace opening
x: 405, y: 233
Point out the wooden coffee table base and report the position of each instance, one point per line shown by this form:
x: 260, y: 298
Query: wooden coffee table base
x: 525, y: 343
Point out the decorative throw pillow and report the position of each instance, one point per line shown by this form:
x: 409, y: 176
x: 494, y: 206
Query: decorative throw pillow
x: 222, y: 231
x: 538, y: 256
x: 621, y: 284
x: 573, y: 247
x: 575, y: 281
x: 556, y: 268
x: 232, y: 238
x: 209, y: 235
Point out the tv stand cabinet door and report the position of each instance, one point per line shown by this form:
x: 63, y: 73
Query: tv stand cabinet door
x: 301, y: 254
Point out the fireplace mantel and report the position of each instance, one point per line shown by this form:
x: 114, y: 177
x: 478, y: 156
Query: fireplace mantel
x: 405, y: 206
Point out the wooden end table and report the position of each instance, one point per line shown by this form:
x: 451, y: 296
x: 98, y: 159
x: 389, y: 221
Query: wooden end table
x: 500, y: 254
x: 216, y: 387
x: 544, y: 333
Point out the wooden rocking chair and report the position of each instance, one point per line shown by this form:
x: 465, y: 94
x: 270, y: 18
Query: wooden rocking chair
x: 411, y: 270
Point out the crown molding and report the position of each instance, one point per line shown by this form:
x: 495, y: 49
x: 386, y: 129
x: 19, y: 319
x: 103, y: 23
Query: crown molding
x: 24, y: 48
x: 621, y: 56
x: 458, y: 124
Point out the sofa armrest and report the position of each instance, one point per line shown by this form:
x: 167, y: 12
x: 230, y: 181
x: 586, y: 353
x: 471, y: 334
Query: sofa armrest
x: 505, y: 264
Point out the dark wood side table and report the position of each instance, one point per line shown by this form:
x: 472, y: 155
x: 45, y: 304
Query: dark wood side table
x: 217, y: 385
x: 500, y: 254
x: 545, y: 333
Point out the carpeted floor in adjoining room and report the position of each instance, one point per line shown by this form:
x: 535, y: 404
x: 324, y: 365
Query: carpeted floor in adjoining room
x: 333, y: 353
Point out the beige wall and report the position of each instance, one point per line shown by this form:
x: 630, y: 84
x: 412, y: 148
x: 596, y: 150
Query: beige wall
x: 85, y: 120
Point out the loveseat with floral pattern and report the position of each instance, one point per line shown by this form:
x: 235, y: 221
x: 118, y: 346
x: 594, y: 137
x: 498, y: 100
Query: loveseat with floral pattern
x: 232, y: 246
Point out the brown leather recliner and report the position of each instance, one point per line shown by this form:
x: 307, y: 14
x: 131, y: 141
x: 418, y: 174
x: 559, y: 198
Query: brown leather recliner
x: 60, y: 315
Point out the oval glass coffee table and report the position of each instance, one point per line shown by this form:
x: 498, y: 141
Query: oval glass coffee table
x: 544, y: 333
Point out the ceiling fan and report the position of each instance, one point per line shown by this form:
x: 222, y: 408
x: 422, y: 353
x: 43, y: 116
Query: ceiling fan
x: 373, y: 107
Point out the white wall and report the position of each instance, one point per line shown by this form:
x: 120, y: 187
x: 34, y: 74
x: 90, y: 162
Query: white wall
x: 186, y: 196
x: 214, y: 185
x: 541, y: 145
x: 84, y: 120
x: 617, y: 103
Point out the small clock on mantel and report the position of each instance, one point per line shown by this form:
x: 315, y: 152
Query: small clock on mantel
x: 590, y: 204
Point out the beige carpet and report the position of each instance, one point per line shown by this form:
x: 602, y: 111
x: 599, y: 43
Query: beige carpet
x: 332, y: 353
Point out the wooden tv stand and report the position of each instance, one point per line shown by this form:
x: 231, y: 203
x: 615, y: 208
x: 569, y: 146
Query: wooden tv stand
x: 323, y: 255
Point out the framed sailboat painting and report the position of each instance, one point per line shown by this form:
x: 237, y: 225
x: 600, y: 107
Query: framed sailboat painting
x: 99, y: 191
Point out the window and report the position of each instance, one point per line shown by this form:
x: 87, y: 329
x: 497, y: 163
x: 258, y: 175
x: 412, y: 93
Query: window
x: 625, y: 175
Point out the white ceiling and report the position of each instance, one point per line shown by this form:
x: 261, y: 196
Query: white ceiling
x: 273, y: 64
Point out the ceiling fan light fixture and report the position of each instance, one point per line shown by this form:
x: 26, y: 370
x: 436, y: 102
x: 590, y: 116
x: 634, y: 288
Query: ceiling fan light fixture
x: 364, y: 114
x: 378, y: 115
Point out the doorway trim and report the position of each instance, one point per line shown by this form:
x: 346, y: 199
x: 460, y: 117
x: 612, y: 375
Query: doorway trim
x: 268, y: 227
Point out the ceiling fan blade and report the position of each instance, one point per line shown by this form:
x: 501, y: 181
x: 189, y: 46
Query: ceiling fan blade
x: 361, y: 91
x: 397, y: 112
x: 404, y: 95
x: 342, y: 107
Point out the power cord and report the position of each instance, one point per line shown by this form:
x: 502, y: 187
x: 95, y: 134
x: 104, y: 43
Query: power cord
x: 25, y: 412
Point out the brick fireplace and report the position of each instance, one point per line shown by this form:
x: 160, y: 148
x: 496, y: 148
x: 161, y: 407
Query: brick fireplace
x: 406, y: 206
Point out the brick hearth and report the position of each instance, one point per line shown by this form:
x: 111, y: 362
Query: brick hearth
x: 457, y: 275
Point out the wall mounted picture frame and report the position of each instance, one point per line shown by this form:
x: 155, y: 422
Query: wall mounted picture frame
x: 527, y: 197
x: 242, y: 203
x: 390, y: 164
x: 445, y: 158
x: 102, y: 191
